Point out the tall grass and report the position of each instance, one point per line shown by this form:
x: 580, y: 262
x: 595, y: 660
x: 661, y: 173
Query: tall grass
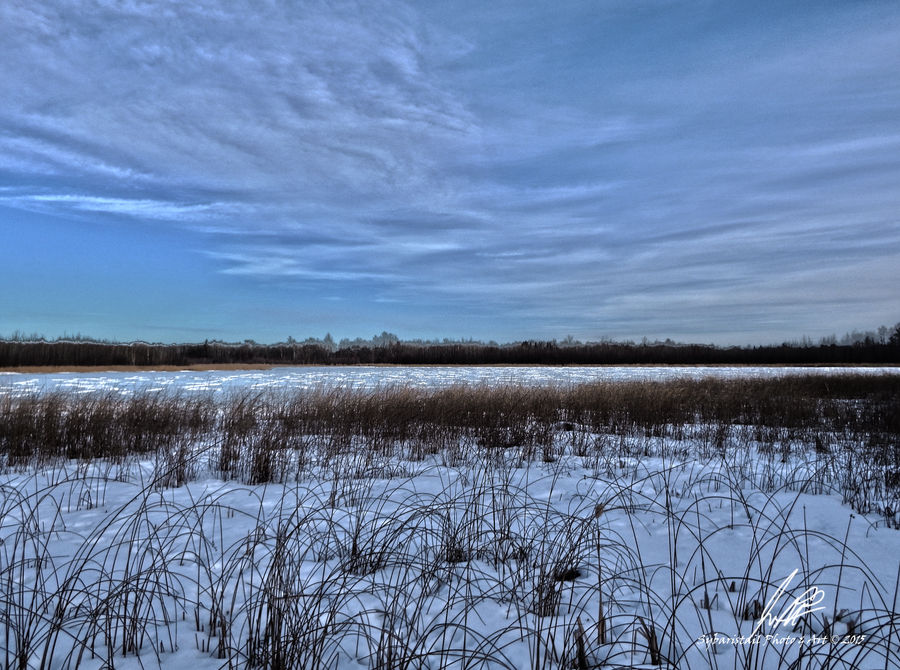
x: 584, y: 527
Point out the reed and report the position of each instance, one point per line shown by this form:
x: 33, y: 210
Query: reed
x: 589, y: 526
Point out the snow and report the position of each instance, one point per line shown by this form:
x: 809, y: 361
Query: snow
x: 361, y: 376
x: 476, y: 560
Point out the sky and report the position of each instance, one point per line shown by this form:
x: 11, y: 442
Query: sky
x: 717, y: 172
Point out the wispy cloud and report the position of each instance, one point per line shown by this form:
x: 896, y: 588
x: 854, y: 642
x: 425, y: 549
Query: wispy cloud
x: 133, y: 207
x: 605, y: 168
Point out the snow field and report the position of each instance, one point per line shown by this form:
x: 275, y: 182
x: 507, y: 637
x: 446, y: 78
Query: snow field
x: 599, y: 550
x: 372, y: 376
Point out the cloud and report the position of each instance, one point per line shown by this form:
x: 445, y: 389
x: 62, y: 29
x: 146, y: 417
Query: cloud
x: 132, y: 207
x: 589, y: 169
x: 298, y: 95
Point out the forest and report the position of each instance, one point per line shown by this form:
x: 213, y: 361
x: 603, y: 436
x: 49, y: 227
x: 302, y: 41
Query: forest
x: 871, y: 347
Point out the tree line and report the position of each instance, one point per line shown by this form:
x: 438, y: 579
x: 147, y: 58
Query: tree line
x: 20, y: 351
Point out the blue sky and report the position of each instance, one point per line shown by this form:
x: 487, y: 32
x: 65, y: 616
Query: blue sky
x: 720, y: 172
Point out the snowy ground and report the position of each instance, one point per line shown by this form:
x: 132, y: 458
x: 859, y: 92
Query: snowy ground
x: 362, y: 376
x: 635, y: 555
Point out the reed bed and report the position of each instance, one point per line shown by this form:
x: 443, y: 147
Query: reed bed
x: 594, y: 526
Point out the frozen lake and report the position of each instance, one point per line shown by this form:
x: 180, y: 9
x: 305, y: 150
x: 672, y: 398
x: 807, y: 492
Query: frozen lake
x: 293, y: 378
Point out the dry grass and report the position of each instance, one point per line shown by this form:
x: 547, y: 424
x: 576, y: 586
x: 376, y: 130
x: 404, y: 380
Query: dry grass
x: 258, y: 437
x: 352, y: 562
